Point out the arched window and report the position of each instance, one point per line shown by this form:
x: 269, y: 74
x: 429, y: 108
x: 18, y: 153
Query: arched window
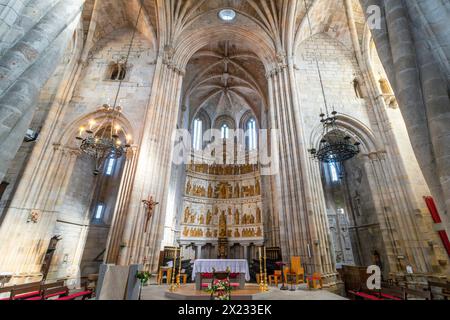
x: 118, y: 71
x: 110, y: 166
x: 333, y: 172
x: 198, y: 134
x: 252, y: 136
x: 99, y: 211
x: 225, y: 131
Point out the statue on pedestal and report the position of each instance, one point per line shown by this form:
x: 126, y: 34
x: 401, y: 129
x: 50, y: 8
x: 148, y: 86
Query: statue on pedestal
x: 258, y: 215
x: 208, y: 217
x: 236, y: 217
x: 186, y: 215
x: 223, y: 225
x: 210, y: 191
x: 188, y: 187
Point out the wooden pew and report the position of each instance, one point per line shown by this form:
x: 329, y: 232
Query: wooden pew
x: 22, y: 291
x: 51, y: 290
x: 82, y: 294
x: 364, y: 295
x: 444, y: 289
x: 422, y: 293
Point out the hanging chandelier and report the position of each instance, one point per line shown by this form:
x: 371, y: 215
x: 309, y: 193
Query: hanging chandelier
x: 336, y: 145
x: 107, y: 139
x: 104, y: 140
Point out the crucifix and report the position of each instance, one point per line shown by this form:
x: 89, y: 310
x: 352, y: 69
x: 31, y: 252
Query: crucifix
x: 150, y: 206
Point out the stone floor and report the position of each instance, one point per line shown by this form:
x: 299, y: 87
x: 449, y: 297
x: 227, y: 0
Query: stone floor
x: 155, y: 292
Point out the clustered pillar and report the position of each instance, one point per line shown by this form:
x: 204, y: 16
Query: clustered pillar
x: 27, y: 65
x: 303, y: 225
x: 413, y: 46
x: 153, y: 172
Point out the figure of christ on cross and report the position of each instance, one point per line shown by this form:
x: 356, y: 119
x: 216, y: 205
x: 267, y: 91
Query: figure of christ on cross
x: 150, y: 206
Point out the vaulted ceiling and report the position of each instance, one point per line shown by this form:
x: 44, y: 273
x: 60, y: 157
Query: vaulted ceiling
x: 228, y: 73
x: 225, y: 78
x: 282, y: 20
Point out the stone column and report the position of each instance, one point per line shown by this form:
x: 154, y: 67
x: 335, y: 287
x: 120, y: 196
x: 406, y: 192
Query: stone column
x: 245, y: 251
x: 114, y: 244
x: 198, y: 251
x: 303, y: 221
x: 419, y: 76
x: 26, y: 66
x: 153, y: 169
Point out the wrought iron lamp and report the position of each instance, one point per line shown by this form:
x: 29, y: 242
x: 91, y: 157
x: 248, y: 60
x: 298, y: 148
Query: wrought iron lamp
x: 335, y: 146
x: 105, y: 140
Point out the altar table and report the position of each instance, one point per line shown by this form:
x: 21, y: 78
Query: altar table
x: 237, y: 266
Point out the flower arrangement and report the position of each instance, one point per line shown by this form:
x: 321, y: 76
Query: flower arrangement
x: 143, y: 277
x: 220, y: 290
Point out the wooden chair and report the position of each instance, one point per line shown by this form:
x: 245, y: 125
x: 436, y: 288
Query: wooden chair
x: 295, y: 269
x: 315, y: 281
x: 182, y: 278
x: 164, y: 271
x: 276, y: 278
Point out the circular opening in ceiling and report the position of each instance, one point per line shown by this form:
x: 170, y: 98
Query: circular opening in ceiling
x: 227, y: 15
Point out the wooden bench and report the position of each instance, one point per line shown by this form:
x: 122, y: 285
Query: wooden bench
x: 22, y: 291
x: 444, y: 289
x: 83, y: 294
x: 364, y: 296
x: 51, y: 290
x: 419, y: 293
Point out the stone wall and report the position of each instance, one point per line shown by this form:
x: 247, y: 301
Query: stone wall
x: 68, y: 209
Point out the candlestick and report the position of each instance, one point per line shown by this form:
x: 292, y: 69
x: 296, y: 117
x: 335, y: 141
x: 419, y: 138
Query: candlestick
x: 174, y: 267
x: 266, y: 288
x: 179, y: 270
x: 261, y: 278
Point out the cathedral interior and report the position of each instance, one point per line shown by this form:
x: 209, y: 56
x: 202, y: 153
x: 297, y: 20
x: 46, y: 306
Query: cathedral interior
x: 316, y: 129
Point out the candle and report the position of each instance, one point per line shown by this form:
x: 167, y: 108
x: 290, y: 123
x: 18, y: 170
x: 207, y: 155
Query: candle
x: 81, y: 131
x: 91, y: 124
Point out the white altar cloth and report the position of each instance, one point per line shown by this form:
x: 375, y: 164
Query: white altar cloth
x: 207, y: 265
